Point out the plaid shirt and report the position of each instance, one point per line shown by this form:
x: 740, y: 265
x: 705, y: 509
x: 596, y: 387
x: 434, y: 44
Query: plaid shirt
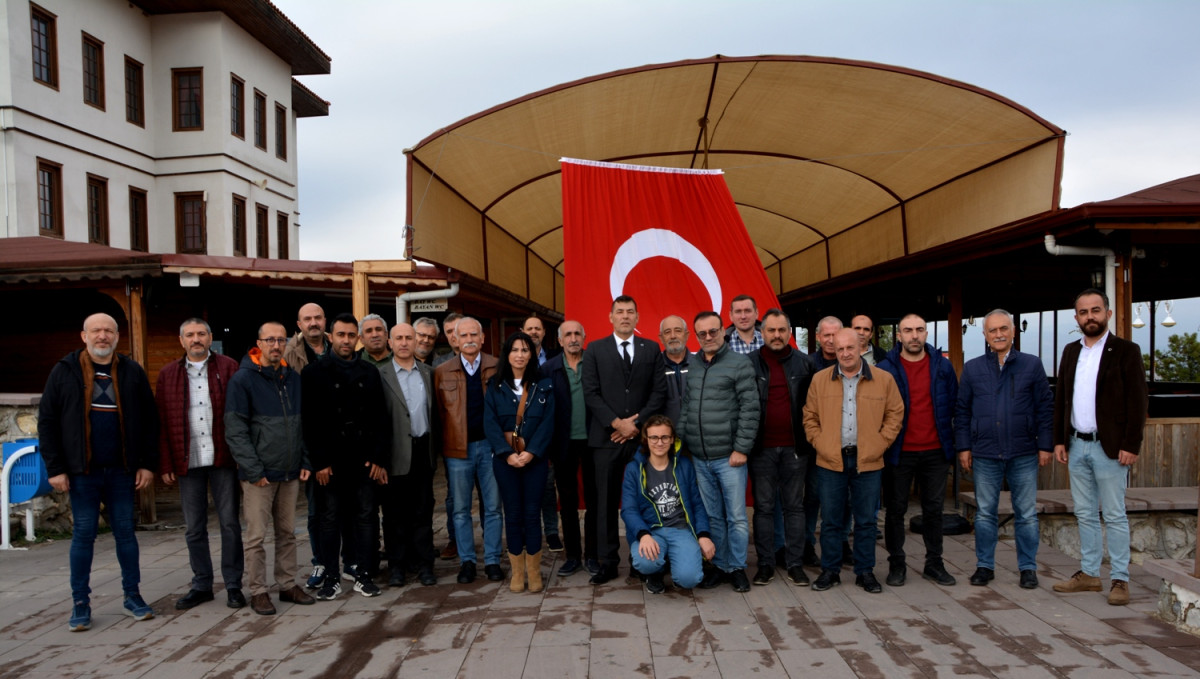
x: 739, y: 346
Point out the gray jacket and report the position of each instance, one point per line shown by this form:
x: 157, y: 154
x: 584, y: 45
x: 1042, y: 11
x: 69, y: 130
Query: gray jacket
x: 720, y: 406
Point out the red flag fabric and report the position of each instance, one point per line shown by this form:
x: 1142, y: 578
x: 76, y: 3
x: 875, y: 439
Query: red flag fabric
x: 670, y: 238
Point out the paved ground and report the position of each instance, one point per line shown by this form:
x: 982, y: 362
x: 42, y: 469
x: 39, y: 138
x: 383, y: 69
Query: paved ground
x: 576, y: 630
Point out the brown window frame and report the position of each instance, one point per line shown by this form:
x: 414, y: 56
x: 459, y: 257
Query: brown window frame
x: 50, y: 207
x: 96, y: 207
x: 262, y: 231
x: 237, y: 106
x: 135, y: 92
x: 182, y: 199
x: 260, y: 120
x: 176, y: 75
x: 44, y: 58
x: 281, y: 125
x: 139, y: 220
x: 93, y: 72
x: 239, y: 226
x: 281, y: 235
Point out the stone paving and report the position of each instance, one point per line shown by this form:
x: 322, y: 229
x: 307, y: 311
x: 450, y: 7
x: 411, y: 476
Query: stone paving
x: 573, y: 629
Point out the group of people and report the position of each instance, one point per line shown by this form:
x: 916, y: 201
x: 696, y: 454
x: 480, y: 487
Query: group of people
x: 665, y: 439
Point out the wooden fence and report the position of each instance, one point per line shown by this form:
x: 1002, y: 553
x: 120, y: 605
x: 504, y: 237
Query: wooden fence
x: 1170, y: 457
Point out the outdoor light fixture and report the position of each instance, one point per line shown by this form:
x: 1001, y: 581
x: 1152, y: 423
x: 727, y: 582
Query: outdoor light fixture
x: 1024, y: 326
x: 1168, y: 322
x: 964, y: 328
x: 1137, y: 317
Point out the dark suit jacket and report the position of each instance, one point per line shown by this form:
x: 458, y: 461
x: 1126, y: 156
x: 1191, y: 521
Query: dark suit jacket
x: 612, y: 390
x: 400, y: 459
x: 1120, y: 396
x: 563, y: 404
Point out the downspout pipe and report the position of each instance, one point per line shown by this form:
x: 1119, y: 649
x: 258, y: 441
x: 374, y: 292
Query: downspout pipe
x: 403, y: 299
x: 1110, y: 265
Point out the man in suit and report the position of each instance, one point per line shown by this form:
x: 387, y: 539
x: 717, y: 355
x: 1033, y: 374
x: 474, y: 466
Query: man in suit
x: 570, y: 439
x: 623, y: 384
x: 1099, y: 414
x: 407, y: 497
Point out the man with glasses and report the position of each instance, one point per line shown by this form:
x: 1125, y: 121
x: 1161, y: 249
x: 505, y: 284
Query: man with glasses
x: 262, y: 427
x: 426, y: 330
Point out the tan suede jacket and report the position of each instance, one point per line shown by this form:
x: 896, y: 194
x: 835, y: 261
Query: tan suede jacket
x: 450, y: 383
x: 880, y: 416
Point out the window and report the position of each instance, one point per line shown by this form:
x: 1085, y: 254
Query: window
x: 135, y: 93
x: 45, y: 46
x: 97, y: 209
x: 281, y: 236
x: 187, y: 99
x: 280, y: 131
x: 139, y: 222
x: 237, y: 107
x: 93, y: 72
x: 260, y: 230
x: 190, y: 236
x: 49, y: 178
x: 260, y: 120
x: 239, y: 226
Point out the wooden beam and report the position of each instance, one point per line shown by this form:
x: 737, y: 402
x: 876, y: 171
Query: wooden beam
x: 954, y: 325
x: 1123, y: 304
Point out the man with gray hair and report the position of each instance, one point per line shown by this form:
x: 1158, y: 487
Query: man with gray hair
x: 1003, y: 430
x: 824, y: 356
x: 674, y: 335
x: 426, y: 330
x: 373, y: 333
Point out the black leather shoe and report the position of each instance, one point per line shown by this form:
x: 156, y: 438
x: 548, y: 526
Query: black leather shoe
x: 493, y: 572
x: 1029, y: 579
x: 982, y: 576
x: 605, y: 574
x: 712, y: 578
x: 569, y: 567
x: 234, y: 598
x: 738, y: 579
x: 466, y: 573
x: 655, y: 584
x: 897, y: 575
x: 396, y: 576
x: 798, y: 577
x: 593, y: 566
x: 764, y: 575
x: 426, y: 577
x: 868, y: 582
x: 810, y: 558
x: 193, y: 598
x: 826, y: 580
x: 939, y: 575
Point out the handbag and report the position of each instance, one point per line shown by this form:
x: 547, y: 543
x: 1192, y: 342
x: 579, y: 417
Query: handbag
x: 514, y: 438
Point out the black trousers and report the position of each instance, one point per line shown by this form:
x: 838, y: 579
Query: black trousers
x: 346, y: 503
x: 407, y: 504
x: 603, y: 473
x: 566, y: 477
x: 927, y: 468
x: 778, y: 472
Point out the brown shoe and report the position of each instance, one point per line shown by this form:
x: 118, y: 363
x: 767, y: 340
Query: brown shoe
x: 1119, y: 594
x: 450, y: 551
x: 295, y: 595
x: 261, y: 604
x: 1080, y: 582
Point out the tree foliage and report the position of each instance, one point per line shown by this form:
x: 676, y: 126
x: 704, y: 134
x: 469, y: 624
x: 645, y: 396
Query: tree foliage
x: 1181, y: 361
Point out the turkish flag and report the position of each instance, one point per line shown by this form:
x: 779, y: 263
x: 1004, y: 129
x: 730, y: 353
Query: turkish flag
x: 670, y: 238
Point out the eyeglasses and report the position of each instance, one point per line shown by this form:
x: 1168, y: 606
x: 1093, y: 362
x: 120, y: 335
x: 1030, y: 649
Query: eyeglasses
x: 273, y: 340
x: 705, y: 334
x: 426, y: 336
x: 670, y: 438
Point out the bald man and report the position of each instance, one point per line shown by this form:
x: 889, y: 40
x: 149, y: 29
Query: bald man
x: 98, y: 429
x: 310, y: 341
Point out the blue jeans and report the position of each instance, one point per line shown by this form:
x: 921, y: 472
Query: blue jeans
x: 1098, y: 483
x: 522, y: 491
x: 113, y: 487
x: 862, y: 489
x: 681, y: 547
x: 1021, y: 473
x: 463, y: 474
x: 723, y: 491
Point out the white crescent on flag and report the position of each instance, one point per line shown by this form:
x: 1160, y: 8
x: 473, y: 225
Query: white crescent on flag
x: 662, y: 243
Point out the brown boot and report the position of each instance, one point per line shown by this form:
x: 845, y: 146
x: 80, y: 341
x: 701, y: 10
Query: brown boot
x: 533, y: 567
x: 1080, y: 582
x: 516, y: 562
x: 1119, y: 594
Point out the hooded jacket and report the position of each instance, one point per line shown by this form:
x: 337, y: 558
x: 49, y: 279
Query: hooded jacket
x: 943, y: 390
x: 63, y: 416
x: 262, y: 421
x: 638, y: 511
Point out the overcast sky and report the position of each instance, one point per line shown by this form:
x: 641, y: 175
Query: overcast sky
x: 1122, y: 78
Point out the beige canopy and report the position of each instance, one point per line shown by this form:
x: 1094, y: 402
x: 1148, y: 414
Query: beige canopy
x: 836, y: 166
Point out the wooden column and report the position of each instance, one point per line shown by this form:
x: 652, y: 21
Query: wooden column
x: 362, y: 269
x: 954, y: 325
x: 1123, y: 304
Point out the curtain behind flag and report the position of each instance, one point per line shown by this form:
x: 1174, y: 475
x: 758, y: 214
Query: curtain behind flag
x: 672, y: 239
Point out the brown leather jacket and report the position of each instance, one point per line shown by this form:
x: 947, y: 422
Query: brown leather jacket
x: 450, y: 383
x: 880, y: 415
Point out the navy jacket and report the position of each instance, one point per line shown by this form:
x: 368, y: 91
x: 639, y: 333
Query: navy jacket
x: 262, y: 421
x: 1002, y: 414
x: 500, y: 415
x: 555, y: 370
x: 640, y: 514
x: 943, y: 389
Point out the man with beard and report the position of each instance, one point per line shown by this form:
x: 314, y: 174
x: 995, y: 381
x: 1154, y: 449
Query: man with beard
x: 310, y: 342
x: 1099, y: 413
x: 570, y: 442
x: 674, y: 335
x: 450, y: 551
x: 373, y: 331
x: 426, y: 330
x: 99, y: 433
